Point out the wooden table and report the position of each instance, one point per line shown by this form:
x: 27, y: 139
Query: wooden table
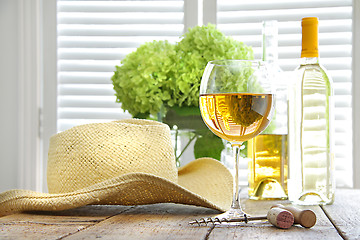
x: 170, y: 221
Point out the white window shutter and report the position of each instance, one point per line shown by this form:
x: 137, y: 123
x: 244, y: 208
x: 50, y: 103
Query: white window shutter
x: 93, y: 37
x: 243, y: 21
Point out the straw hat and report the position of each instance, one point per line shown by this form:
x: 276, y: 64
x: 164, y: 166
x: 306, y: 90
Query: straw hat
x: 127, y: 162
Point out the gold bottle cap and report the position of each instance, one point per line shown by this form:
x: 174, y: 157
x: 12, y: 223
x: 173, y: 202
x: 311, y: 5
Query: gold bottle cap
x: 309, y: 37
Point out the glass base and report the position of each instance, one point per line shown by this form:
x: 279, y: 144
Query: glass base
x: 268, y: 189
x: 314, y: 198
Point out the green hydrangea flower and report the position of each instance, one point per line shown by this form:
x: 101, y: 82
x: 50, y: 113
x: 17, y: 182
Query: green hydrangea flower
x: 199, y: 46
x: 142, y: 83
x: 159, y: 74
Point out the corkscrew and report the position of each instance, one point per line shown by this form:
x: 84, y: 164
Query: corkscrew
x: 225, y: 220
x: 278, y: 215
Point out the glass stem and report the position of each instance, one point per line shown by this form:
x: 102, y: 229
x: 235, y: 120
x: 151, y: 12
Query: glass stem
x: 236, y: 199
x: 183, y: 150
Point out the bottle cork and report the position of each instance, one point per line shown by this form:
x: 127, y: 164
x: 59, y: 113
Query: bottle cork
x: 305, y: 218
x: 280, y: 218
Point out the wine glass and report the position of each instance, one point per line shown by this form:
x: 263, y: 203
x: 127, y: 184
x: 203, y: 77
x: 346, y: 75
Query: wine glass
x: 236, y: 103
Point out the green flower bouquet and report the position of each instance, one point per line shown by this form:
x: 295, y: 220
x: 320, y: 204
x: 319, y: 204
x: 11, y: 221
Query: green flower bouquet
x: 162, y: 80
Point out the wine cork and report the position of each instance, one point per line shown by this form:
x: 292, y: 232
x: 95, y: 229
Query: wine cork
x: 305, y: 218
x: 280, y: 218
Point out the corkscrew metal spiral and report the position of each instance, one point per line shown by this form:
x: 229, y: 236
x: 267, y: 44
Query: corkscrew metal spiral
x: 217, y: 220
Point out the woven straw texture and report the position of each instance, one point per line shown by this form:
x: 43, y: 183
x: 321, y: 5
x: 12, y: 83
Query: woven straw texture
x: 89, y: 154
x: 127, y: 162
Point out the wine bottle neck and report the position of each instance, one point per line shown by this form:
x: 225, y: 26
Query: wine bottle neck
x: 270, y: 41
x: 309, y: 60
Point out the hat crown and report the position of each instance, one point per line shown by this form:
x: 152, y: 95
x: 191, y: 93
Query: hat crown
x: 88, y: 154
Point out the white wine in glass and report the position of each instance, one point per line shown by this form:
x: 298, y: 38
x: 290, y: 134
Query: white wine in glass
x: 236, y: 103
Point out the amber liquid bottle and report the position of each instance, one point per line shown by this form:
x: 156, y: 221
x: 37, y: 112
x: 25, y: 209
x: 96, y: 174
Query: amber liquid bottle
x: 268, y: 152
x: 311, y: 119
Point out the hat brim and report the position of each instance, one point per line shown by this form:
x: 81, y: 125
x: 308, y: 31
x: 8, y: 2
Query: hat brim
x: 203, y: 182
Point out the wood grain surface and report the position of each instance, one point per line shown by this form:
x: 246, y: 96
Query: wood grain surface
x: 344, y: 213
x: 170, y: 221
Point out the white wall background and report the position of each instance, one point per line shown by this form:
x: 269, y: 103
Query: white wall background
x: 9, y: 87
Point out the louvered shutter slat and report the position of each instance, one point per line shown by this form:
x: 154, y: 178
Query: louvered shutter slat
x: 93, y: 37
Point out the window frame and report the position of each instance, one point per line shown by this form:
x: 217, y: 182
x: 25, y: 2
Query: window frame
x: 356, y: 93
x: 37, y: 90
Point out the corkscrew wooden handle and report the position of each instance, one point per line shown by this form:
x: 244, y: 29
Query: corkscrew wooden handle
x: 305, y: 218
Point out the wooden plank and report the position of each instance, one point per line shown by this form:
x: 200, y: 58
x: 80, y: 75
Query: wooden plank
x: 323, y: 228
x: 170, y: 221
x: 345, y: 213
x: 54, y: 225
x: 158, y: 221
